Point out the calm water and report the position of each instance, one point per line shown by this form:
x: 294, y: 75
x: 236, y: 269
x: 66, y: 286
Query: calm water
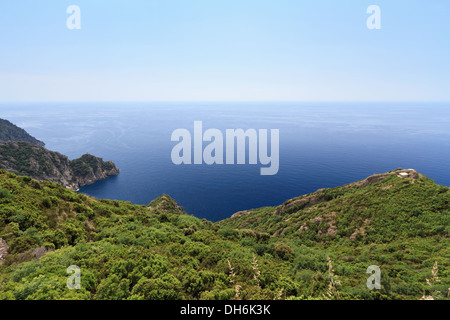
x: 321, y: 145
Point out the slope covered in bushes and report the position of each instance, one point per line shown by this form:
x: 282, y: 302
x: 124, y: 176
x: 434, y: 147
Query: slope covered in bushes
x: 294, y: 251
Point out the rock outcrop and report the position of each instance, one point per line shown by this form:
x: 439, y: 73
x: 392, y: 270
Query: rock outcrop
x: 89, y: 169
x: 3, y: 250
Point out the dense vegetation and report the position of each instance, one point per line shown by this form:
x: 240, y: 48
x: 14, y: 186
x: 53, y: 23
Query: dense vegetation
x: 10, y: 132
x: 317, y: 246
x: 28, y: 159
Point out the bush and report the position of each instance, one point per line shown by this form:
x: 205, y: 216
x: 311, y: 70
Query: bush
x: 165, y: 288
x: 228, y: 233
x: 49, y: 202
x: 283, y: 251
x: 5, y: 194
x: 21, y: 219
x: 22, y: 244
x: 113, y: 288
x: 192, y: 282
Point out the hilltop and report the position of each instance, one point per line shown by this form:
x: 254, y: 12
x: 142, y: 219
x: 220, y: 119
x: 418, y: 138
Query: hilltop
x: 376, y: 209
x: 397, y: 220
x: 11, y: 132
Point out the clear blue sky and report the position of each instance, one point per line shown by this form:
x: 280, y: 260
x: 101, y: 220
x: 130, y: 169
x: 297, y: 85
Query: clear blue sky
x: 222, y: 50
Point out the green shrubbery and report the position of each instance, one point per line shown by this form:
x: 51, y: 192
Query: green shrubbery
x: 5, y: 194
x: 157, y: 251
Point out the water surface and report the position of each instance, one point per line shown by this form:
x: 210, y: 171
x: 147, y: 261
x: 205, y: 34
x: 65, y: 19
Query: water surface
x: 321, y: 145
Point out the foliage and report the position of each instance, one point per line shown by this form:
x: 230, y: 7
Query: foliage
x: 314, y: 249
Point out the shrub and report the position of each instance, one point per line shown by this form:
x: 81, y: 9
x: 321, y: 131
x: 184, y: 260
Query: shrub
x: 228, y: 233
x: 21, y: 219
x: 165, y: 288
x: 113, y: 288
x: 283, y: 251
x: 21, y: 244
x: 5, y: 194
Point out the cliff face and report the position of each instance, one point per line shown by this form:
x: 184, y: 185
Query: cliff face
x: 42, y: 164
x: 11, y: 132
x: 89, y: 169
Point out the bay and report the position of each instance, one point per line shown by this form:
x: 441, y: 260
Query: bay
x: 322, y: 145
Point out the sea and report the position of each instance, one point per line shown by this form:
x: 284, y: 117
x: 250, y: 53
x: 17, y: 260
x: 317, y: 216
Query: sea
x: 321, y: 145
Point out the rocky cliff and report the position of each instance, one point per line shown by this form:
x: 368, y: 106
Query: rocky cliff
x: 39, y: 163
x: 89, y: 169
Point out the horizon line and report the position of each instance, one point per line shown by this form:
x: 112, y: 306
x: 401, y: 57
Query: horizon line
x: 228, y: 101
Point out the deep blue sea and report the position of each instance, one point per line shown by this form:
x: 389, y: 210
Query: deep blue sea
x: 321, y: 145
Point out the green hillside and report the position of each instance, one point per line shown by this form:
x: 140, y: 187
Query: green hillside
x: 10, y: 132
x: 316, y: 246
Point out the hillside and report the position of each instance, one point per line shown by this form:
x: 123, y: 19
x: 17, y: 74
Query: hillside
x: 23, y: 154
x: 11, y: 132
x: 294, y: 251
x: 42, y: 164
x: 378, y: 209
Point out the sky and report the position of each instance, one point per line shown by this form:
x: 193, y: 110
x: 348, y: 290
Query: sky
x: 224, y: 50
